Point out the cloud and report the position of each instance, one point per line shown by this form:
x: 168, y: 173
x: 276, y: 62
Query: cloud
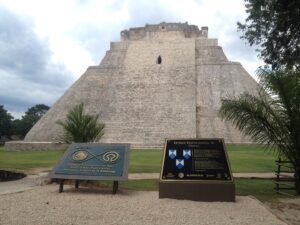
x: 94, y: 33
x: 46, y: 45
x: 234, y: 47
x: 28, y: 75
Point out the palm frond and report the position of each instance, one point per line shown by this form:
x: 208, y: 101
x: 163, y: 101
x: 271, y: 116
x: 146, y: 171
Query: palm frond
x: 80, y: 127
x: 273, y: 116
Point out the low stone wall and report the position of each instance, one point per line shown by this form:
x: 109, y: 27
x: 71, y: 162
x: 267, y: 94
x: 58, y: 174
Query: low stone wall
x: 43, y: 146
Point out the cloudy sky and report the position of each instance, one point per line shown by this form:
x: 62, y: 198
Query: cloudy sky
x: 45, y: 45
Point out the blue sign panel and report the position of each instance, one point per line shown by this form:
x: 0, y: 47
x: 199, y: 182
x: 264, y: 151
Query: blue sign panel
x: 96, y: 160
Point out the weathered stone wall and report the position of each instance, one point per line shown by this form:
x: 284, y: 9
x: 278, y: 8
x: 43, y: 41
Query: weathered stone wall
x: 214, y: 82
x: 218, y: 78
x: 28, y: 146
x: 163, y: 31
x: 154, y: 101
x: 142, y: 102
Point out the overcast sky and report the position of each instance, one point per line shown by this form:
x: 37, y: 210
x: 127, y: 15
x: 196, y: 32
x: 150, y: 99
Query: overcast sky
x: 45, y: 45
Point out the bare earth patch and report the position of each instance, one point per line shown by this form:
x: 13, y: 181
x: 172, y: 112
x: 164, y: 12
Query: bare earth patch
x: 287, y: 210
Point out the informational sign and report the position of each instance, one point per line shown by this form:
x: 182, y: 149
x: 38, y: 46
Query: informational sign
x: 87, y: 161
x: 201, y: 159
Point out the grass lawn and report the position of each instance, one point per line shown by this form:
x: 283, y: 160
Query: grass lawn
x: 243, y: 158
x: 250, y: 158
x: 23, y: 160
x: 261, y: 189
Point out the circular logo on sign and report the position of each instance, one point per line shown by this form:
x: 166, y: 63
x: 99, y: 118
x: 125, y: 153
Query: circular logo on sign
x: 110, y: 156
x: 79, y: 155
x: 181, y: 175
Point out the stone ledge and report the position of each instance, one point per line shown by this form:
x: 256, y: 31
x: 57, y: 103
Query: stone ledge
x: 42, y: 146
x: 46, y: 146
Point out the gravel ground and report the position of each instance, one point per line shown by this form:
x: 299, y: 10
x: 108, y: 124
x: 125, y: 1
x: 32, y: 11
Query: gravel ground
x: 44, y: 205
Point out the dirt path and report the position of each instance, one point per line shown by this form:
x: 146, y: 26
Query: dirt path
x: 287, y: 210
x: 44, y: 205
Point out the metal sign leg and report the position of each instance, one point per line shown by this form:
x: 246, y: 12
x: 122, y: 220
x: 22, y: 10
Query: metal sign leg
x: 61, y: 186
x: 76, y: 184
x: 115, y: 187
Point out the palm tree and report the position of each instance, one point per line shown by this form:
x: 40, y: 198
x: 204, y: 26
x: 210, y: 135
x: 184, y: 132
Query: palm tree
x: 272, y: 117
x: 80, y: 127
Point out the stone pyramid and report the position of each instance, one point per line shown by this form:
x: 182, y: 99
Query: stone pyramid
x: 160, y: 81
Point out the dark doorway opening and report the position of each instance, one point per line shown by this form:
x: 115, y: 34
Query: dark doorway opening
x: 159, y: 60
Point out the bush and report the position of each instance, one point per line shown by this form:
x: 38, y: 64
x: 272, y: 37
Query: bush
x: 80, y: 127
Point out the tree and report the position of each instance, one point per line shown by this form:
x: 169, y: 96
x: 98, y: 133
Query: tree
x: 32, y: 115
x: 38, y: 110
x: 17, y: 128
x: 274, y: 121
x: 5, y: 122
x: 80, y: 127
x: 274, y: 26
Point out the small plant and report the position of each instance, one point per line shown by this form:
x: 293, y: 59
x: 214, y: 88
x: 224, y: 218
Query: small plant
x: 80, y: 127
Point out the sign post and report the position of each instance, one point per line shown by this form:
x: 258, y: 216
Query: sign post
x: 196, y: 169
x: 87, y: 161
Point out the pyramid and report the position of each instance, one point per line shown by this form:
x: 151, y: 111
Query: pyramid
x: 160, y: 81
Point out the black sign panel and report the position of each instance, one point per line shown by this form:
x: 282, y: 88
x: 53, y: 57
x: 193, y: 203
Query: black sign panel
x: 201, y: 159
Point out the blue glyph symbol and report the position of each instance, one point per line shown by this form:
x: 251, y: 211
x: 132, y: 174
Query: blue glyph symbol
x: 187, y: 153
x: 179, y: 163
x: 172, y: 153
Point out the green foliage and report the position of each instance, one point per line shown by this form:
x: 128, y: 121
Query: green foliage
x: 5, y: 122
x: 38, y: 110
x: 80, y: 127
x: 32, y: 115
x: 17, y: 128
x: 274, y: 26
x: 274, y: 121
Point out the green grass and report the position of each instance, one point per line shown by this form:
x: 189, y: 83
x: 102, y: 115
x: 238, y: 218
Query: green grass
x: 243, y: 158
x: 250, y: 158
x: 145, y: 161
x: 259, y: 188
x: 23, y: 160
x: 262, y: 189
